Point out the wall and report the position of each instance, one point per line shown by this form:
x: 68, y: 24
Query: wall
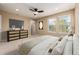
x: 77, y: 18
x: 45, y: 23
x: 0, y: 27
x: 5, y: 22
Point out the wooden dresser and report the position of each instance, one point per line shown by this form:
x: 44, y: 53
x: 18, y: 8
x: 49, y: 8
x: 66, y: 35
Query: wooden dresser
x: 23, y: 34
x: 16, y: 34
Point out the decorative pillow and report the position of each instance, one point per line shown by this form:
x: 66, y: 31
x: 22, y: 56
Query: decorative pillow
x: 60, y: 38
x: 51, y: 47
x: 50, y: 50
x: 70, y: 33
x: 58, y: 50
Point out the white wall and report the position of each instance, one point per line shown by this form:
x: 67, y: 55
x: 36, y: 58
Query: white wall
x: 0, y: 26
x: 77, y: 18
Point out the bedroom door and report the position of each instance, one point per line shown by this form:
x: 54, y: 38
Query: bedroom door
x: 33, y: 27
x: 0, y: 26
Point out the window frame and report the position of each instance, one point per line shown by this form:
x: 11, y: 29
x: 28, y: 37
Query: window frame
x: 48, y: 25
x: 57, y: 18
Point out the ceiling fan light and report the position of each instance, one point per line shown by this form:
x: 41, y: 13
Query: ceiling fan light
x: 56, y: 8
x: 35, y: 12
x: 17, y: 9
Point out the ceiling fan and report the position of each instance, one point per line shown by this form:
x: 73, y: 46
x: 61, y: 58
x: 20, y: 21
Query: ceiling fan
x: 36, y: 11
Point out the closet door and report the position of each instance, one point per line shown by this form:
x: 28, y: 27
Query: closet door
x: 0, y: 26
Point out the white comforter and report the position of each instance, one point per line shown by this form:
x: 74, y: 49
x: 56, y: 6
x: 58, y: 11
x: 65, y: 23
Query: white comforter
x: 68, y: 48
x: 38, y: 45
x: 43, y: 47
x: 76, y: 44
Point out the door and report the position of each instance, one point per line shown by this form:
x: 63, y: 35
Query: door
x: 33, y: 27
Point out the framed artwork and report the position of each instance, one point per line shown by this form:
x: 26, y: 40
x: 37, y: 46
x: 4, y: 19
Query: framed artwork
x: 40, y: 25
x: 16, y: 24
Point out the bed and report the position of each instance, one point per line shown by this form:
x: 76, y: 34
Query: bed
x: 47, y: 45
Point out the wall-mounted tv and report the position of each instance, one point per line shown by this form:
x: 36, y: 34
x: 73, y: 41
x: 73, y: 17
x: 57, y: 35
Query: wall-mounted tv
x: 16, y: 23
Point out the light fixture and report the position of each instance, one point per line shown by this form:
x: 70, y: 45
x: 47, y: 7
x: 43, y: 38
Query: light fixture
x: 35, y: 13
x: 17, y: 9
x: 56, y: 8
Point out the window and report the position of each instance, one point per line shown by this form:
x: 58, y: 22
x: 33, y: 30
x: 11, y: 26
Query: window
x: 64, y: 23
x: 60, y: 24
x: 52, y: 24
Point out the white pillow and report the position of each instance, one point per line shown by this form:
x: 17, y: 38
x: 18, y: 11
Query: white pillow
x: 70, y: 38
x: 65, y: 37
x: 58, y: 50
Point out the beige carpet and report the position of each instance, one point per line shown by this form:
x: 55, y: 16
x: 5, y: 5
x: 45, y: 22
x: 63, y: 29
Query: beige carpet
x: 6, y: 47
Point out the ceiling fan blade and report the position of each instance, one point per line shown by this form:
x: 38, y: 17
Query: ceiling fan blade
x: 32, y: 10
x: 40, y: 11
x: 35, y: 9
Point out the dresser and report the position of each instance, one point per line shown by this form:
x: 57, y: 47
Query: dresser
x: 23, y: 34
x: 16, y: 34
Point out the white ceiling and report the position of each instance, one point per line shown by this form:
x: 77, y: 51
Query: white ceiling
x: 49, y: 8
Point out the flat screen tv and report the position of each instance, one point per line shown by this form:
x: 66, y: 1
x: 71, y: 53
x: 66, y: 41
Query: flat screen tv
x: 16, y: 23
